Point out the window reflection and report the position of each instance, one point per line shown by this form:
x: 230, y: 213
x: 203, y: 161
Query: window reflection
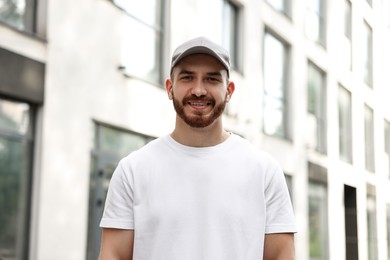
x: 145, y: 10
x: 279, y: 5
x: 12, y: 12
x: 315, y: 19
x: 230, y: 31
x: 142, y: 39
x: 15, y: 178
x: 345, y: 124
x: 317, y: 105
x: 372, y: 227
x: 14, y: 116
x: 367, y: 54
x: 318, y: 221
x: 275, y: 60
x: 369, y: 138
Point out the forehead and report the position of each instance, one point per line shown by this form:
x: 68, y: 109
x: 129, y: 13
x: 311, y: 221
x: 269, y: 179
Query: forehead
x: 200, y: 62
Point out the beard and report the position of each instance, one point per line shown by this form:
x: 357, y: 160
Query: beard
x: 198, y: 119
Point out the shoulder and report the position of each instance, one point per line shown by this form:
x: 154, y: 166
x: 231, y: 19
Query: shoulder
x: 244, y: 148
x: 150, y: 151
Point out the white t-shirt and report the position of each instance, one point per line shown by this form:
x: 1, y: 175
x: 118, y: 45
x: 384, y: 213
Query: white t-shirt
x: 187, y: 203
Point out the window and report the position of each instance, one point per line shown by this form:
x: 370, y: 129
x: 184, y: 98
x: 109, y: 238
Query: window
x: 16, y: 123
x: 111, y: 144
x: 315, y: 21
x: 280, y: 5
x: 369, y: 138
x: 318, y: 221
x: 367, y: 54
x: 275, y: 80
x: 316, y: 105
x: 142, y: 39
x: 350, y: 220
x: 345, y: 124
x: 19, y: 14
x: 388, y: 230
x: 371, y: 224
x: 387, y: 143
x: 231, y: 23
x: 347, y: 39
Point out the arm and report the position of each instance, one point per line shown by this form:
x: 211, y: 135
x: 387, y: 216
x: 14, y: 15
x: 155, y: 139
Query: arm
x: 279, y: 246
x: 117, y: 244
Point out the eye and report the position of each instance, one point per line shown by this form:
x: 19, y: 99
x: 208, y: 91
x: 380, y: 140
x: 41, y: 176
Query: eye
x: 186, y: 78
x: 213, y: 79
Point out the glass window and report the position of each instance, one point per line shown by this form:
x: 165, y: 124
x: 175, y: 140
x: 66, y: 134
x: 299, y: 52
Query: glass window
x: 142, y: 55
x: 367, y: 54
x: 15, y: 178
x: 351, y: 223
x: 318, y: 221
x: 230, y: 32
x: 372, y: 228
x: 317, y: 104
x: 315, y: 20
x: 280, y: 5
x: 111, y: 144
x: 346, y: 46
x: 275, y: 80
x: 369, y: 138
x: 345, y: 124
x: 388, y: 230
x: 348, y: 19
x: 18, y: 13
x: 387, y: 143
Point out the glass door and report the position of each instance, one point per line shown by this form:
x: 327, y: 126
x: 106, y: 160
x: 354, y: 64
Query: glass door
x: 111, y: 144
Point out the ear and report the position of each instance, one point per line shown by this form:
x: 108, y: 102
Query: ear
x: 230, y: 90
x: 168, y: 87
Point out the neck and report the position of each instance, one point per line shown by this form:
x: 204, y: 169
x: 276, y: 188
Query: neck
x: 211, y: 135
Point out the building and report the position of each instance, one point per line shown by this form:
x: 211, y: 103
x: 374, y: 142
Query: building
x: 82, y: 84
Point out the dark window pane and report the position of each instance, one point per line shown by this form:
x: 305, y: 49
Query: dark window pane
x: 15, y: 175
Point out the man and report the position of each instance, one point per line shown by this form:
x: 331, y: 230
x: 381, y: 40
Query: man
x: 200, y: 193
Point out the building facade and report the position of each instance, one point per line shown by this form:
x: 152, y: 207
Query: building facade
x: 82, y: 85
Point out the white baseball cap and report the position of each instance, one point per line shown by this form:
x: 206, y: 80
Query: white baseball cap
x: 201, y: 45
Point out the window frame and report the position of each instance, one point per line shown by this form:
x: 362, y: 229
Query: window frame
x: 317, y: 177
x: 285, y: 10
x: 368, y: 58
x: 27, y: 139
x: 387, y: 144
x: 320, y: 106
x: 231, y: 33
x: 283, y: 101
x: 159, y: 31
x: 345, y: 133
x: 369, y: 138
x: 29, y: 19
x: 321, y: 15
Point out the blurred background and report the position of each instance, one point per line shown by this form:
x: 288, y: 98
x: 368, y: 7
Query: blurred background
x: 82, y: 85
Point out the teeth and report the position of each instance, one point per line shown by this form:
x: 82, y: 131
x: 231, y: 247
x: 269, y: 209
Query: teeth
x: 198, y: 104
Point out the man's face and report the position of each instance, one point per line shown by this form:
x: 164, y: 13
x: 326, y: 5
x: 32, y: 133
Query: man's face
x: 199, y: 89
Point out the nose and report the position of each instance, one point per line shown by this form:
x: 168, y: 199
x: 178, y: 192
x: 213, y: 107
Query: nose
x: 199, y: 89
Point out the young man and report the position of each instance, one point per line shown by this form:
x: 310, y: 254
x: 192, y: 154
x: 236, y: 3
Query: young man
x: 200, y: 193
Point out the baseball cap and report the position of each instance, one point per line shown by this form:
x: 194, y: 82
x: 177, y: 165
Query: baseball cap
x: 201, y: 45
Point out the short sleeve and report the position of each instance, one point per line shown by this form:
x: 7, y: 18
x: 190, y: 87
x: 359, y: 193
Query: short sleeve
x: 279, y: 213
x: 118, y: 209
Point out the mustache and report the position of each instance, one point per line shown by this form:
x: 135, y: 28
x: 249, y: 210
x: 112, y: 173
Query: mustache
x: 201, y: 98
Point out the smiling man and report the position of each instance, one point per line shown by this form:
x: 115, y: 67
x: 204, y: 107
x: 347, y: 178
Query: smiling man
x: 199, y: 193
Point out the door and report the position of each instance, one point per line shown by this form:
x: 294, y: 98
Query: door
x: 111, y: 145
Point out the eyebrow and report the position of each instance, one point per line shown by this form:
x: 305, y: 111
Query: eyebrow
x: 212, y: 73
